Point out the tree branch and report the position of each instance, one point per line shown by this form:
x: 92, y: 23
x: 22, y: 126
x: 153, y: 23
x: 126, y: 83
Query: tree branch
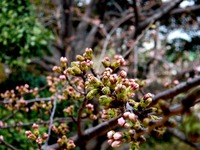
x: 185, y: 86
x: 2, y: 142
x: 181, y: 136
x: 164, y: 10
x: 91, y: 133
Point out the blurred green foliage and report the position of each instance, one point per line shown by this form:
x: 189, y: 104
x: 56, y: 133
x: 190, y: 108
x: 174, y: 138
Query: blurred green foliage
x: 21, y: 34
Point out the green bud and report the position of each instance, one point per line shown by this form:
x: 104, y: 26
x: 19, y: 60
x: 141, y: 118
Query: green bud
x: 84, y: 66
x: 115, y: 65
x: 76, y: 70
x: 146, y: 121
x: 105, y: 100
x: 106, y: 62
x: 106, y: 81
x: 75, y: 63
x: 88, y: 53
x: 148, y: 101
x: 106, y: 90
x: 36, y: 132
x: 137, y: 125
x: 90, y: 95
x: 70, y: 71
x: 80, y: 58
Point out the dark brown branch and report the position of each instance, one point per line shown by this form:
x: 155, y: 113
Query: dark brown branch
x: 181, y: 136
x: 185, y: 10
x: 91, y: 133
x: 183, y: 87
x: 59, y: 120
x: 136, y: 17
x: 2, y: 142
x: 159, y: 14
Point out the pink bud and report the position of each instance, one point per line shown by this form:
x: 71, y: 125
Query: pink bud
x: 62, y: 77
x: 116, y: 143
x: 110, y: 141
x: 117, y: 135
x: 123, y: 74
x: 35, y: 126
x: 126, y: 114
x: 110, y: 134
x: 63, y: 59
x: 132, y: 116
x: 121, y: 121
x: 28, y: 133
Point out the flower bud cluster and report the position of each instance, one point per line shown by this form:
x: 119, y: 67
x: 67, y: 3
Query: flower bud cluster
x: 69, y: 110
x: 89, y: 111
x: 62, y: 129
x: 107, y: 114
x: 66, y: 143
x: 115, y: 139
x: 52, y: 83
x: 35, y: 135
x: 42, y: 105
x: 118, y: 61
x: 14, y: 99
x: 82, y: 65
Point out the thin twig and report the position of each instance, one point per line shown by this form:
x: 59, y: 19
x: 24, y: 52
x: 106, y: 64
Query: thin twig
x: 2, y: 142
x: 108, y: 36
x: 51, y: 118
x: 60, y: 120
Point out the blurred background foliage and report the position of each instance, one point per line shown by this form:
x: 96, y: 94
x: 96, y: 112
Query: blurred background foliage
x: 35, y: 33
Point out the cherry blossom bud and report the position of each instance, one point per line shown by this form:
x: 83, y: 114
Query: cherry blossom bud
x: 28, y: 133
x: 110, y: 141
x: 70, y: 144
x: 121, y: 121
x: 106, y: 90
x: 106, y: 62
x: 57, y: 69
x: 90, y: 95
x: 132, y: 117
x: 90, y: 106
x: 134, y: 86
x: 63, y: 60
x: 39, y: 140
x: 148, y: 95
x: 110, y: 134
x: 76, y: 70
x: 116, y: 144
x: 123, y: 74
x: 88, y: 53
x: 62, y: 77
x: 117, y: 135
x: 44, y: 136
x: 80, y: 58
x: 35, y: 126
x: 126, y: 114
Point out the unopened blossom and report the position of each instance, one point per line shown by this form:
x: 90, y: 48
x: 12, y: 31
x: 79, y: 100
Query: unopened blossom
x: 44, y: 136
x: 63, y: 59
x: 123, y: 74
x: 62, y: 77
x: 35, y: 126
x: 110, y: 141
x: 90, y: 106
x: 121, y: 121
x: 28, y: 133
x: 117, y: 135
x: 116, y: 144
x: 126, y: 114
x: 132, y: 117
x: 110, y: 134
x: 39, y: 140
